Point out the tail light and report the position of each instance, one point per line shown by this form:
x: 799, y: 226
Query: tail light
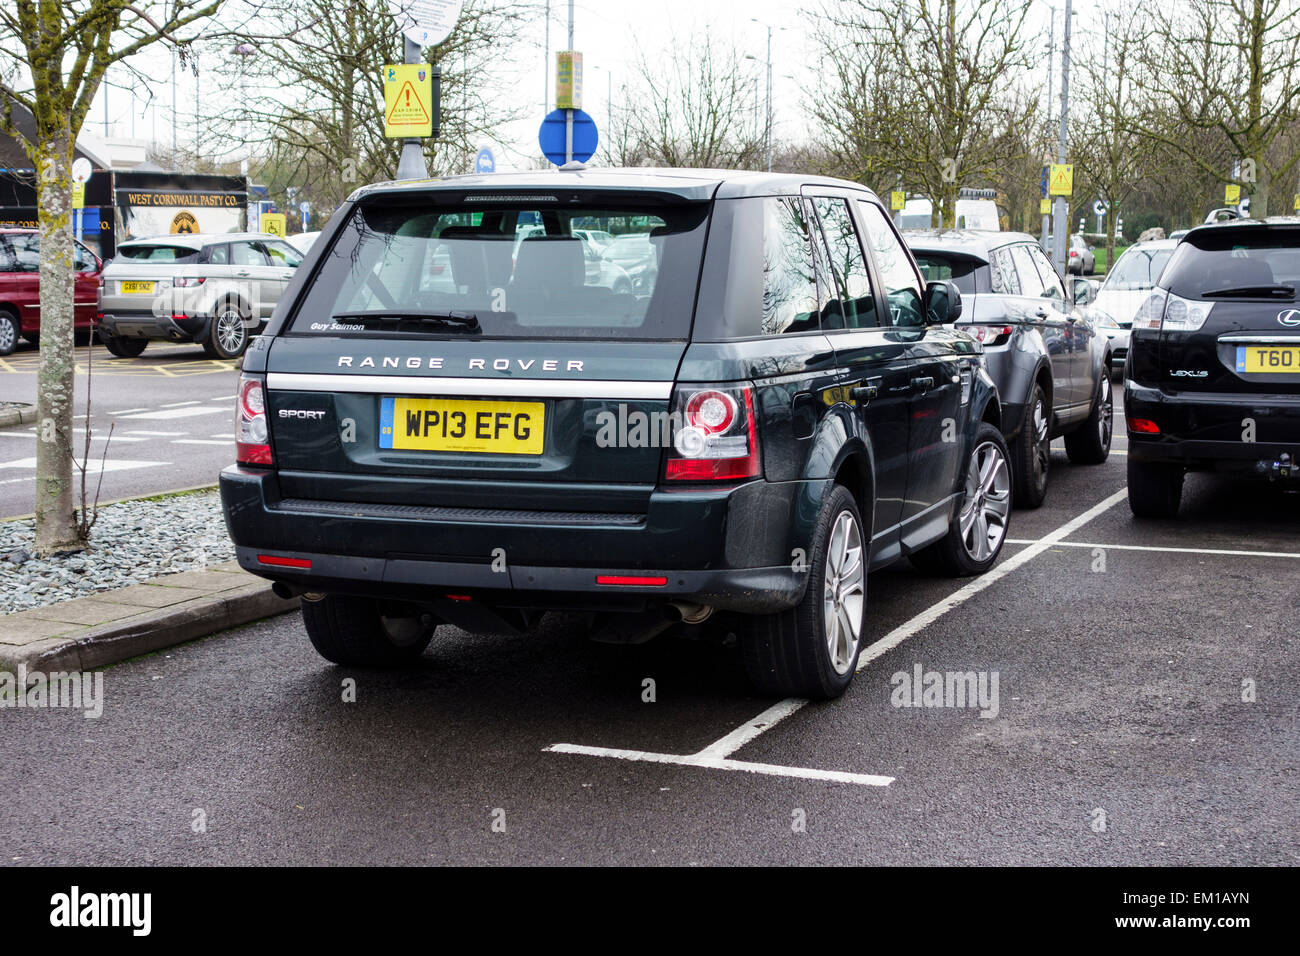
x: 188, y: 282
x: 252, y: 434
x: 987, y: 334
x: 1143, y: 426
x: 1074, y: 253
x: 715, y: 436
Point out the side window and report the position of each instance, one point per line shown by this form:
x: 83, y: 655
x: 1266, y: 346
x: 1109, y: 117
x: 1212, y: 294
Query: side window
x: 27, y: 252
x: 1031, y: 281
x: 1051, y: 279
x: 858, y: 305
x: 789, y: 279
x: 219, y: 255
x: 902, y: 285
x: 284, y: 255
x: 246, y: 254
x: 1003, y: 271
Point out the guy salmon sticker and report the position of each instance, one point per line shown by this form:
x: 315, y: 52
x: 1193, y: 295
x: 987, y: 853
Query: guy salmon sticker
x: 185, y: 222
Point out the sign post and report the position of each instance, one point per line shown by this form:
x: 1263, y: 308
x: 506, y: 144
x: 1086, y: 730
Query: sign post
x: 424, y: 23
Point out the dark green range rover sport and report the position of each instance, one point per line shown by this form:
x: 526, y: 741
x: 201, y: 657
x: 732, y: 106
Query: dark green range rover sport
x: 463, y: 411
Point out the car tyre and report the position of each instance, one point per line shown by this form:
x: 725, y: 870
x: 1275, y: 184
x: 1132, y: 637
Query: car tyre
x: 123, y: 348
x: 228, y: 332
x: 1089, y: 444
x: 812, y: 649
x: 979, y: 527
x: 351, y: 631
x: 9, y: 331
x: 1155, y: 489
x: 1031, y: 455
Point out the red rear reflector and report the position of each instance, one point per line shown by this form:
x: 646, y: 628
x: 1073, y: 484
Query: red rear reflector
x: 247, y: 454
x: 1143, y: 426
x: 457, y: 597
x: 283, y: 562
x: 631, y: 581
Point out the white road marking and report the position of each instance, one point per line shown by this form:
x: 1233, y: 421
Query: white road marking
x: 179, y: 404
x: 223, y: 398
x: 113, y: 464
x: 139, y: 431
x: 201, y: 441
x: 126, y: 411
x: 176, y: 413
x: 714, y: 756
x: 79, y: 433
x: 1144, y: 547
x: 721, y: 763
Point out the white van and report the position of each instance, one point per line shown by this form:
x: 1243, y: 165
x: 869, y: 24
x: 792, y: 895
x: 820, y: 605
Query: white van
x: 971, y: 214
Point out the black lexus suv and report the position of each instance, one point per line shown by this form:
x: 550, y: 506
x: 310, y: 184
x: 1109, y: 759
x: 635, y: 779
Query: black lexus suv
x: 449, y: 420
x: 1212, y: 378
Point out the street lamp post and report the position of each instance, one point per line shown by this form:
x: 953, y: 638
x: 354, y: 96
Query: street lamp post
x: 767, y: 131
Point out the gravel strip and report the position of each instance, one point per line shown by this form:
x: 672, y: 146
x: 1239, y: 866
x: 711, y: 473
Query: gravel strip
x: 131, y: 542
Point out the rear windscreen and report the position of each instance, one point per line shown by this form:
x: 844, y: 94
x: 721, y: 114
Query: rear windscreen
x: 1138, y: 269
x: 158, y: 253
x: 955, y: 269
x: 506, y: 267
x: 1247, y: 262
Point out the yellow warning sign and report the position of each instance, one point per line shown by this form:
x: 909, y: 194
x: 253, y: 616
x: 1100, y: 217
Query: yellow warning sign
x: 273, y: 222
x: 1232, y: 194
x: 408, y: 93
x: 1060, y: 179
x: 897, y: 200
x: 1044, y: 207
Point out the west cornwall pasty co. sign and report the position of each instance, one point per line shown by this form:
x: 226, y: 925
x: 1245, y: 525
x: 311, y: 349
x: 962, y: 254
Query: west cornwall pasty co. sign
x: 153, y: 212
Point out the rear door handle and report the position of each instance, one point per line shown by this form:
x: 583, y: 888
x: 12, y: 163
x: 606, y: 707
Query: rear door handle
x: 864, y: 393
x: 923, y: 384
x: 243, y: 274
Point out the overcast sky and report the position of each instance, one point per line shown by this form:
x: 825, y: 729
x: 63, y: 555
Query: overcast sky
x: 610, y: 34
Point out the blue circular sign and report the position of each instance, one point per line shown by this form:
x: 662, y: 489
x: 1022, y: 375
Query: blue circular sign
x: 552, y: 135
x: 484, y: 162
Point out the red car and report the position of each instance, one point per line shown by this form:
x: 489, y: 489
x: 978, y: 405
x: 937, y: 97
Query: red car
x: 20, y: 306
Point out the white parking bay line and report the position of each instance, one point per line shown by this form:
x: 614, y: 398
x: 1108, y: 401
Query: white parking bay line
x: 721, y: 763
x: 176, y: 413
x: 93, y: 467
x: 715, y: 755
x: 179, y: 404
x: 139, y: 431
x: 127, y: 411
x: 201, y: 441
x: 1146, y: 547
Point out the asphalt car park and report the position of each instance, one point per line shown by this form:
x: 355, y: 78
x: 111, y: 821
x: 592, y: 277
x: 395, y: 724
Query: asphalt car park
x: 1146, y: 714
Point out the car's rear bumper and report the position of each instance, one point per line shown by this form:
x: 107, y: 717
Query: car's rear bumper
x: 149, y: 325
x: 726, y: 547
x: 1245, y: 434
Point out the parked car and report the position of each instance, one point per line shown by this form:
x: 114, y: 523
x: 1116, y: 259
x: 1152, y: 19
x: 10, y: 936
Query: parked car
x: 781, y: 410
x: 20, y: 280
x: 1212, y: 381
x: 635, y: 255
x: 216, y: 290
x: 1080, y: 260
x: 1127, y: 285
x: 302, y: 240
x: 597, y: 237
x: 1041, y: 347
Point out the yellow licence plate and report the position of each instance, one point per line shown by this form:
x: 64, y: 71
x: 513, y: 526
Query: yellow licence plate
x: 1270, y: 359
x: 137, y: 288
x: 465, y: 425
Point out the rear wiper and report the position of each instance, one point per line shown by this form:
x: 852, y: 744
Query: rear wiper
x: 1252, y: 291
x: 463, y: 321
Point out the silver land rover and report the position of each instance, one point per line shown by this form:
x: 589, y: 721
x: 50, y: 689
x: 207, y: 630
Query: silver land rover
x: 215, y: 290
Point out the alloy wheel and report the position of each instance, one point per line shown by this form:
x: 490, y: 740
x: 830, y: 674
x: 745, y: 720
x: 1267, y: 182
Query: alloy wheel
x: 844, y: 592
x: 231, y: 331
x: 987, y: 504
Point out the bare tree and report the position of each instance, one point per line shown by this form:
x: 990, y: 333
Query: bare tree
x: 688, y: 106
x: 923, y: 90
x: 53, y: 55
x: 1228, y: 68
x: 313, y: 93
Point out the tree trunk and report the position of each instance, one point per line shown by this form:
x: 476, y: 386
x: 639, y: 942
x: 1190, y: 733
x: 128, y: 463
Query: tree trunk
x: 56, y: 528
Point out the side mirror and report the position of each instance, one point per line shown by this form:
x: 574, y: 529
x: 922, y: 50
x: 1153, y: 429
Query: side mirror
x: 942, y: 303
x: 1084, y: 291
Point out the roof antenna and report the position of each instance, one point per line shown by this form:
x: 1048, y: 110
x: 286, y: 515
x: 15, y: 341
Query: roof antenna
x: 573, y: 165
